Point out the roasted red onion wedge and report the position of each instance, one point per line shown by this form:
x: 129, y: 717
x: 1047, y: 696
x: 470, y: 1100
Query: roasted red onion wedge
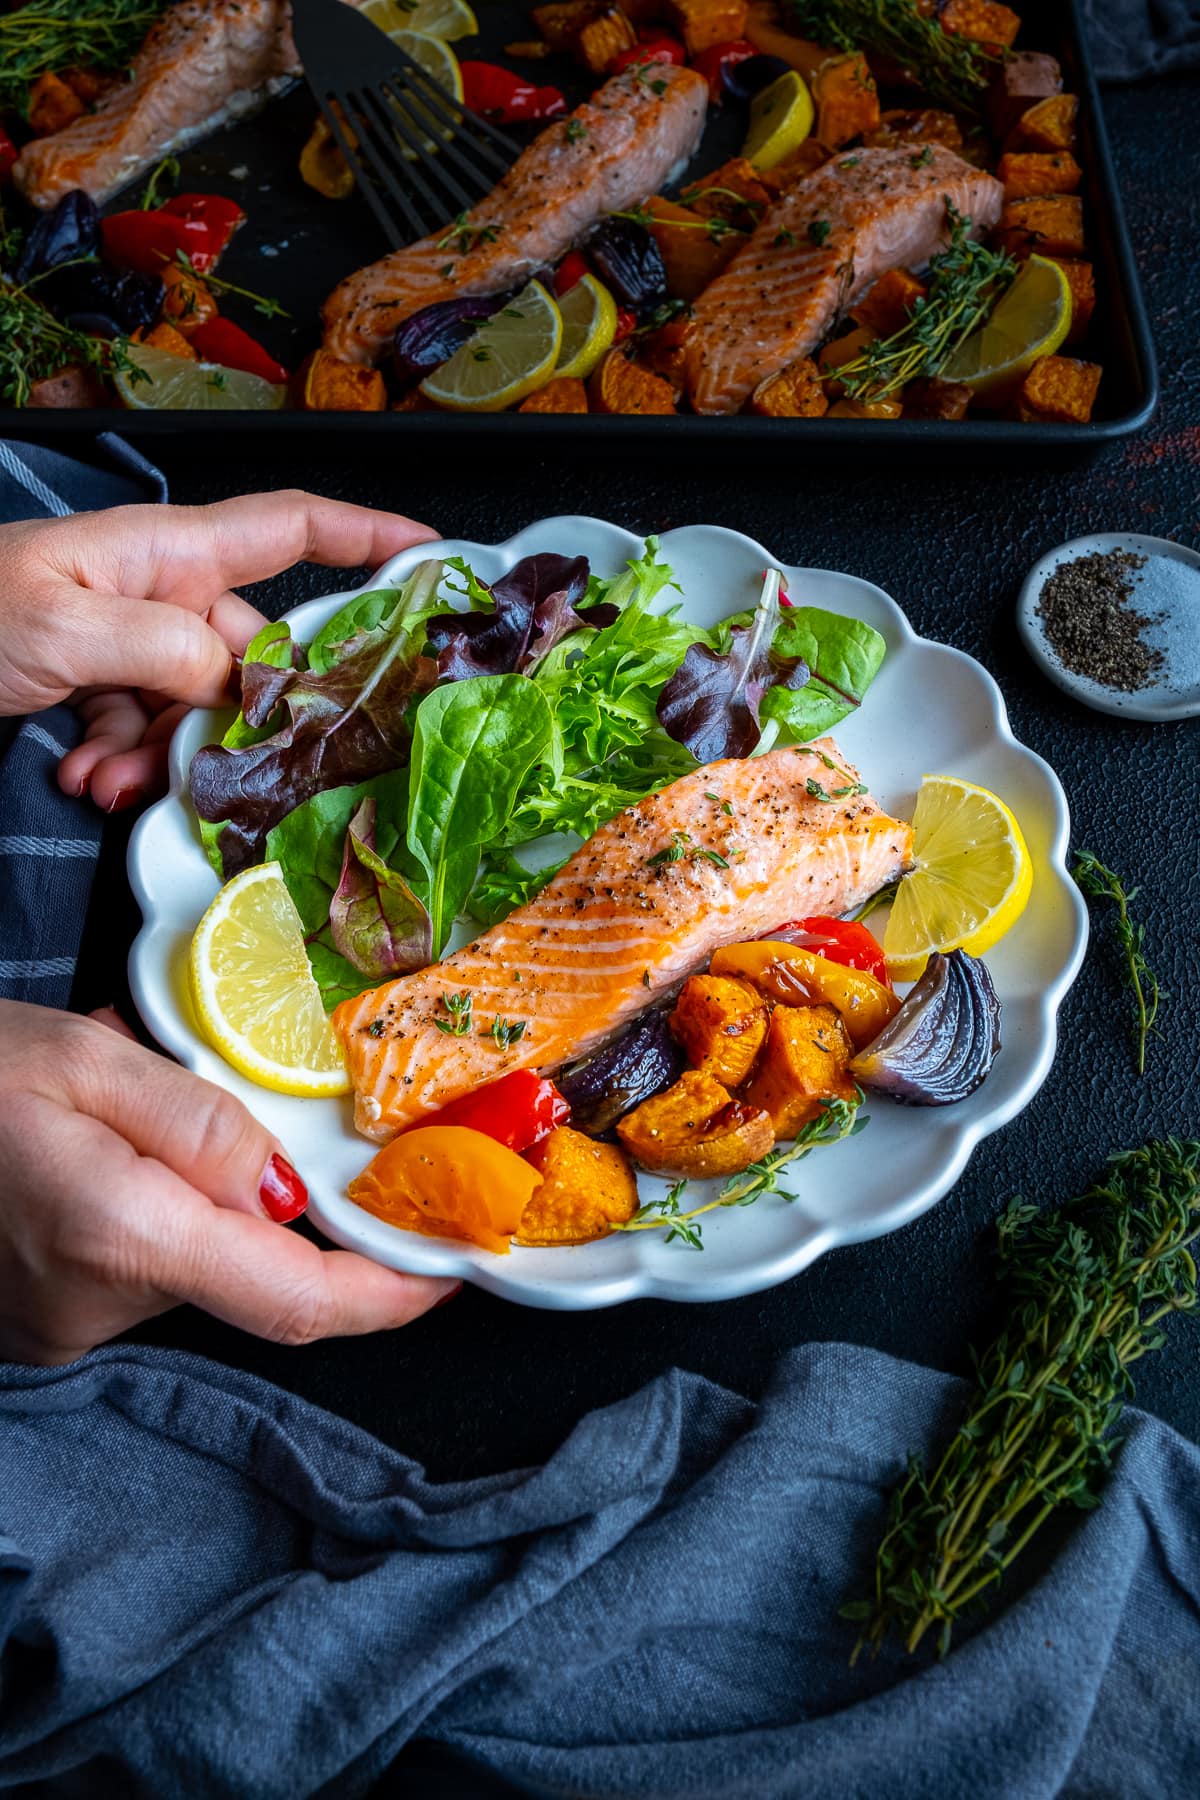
x: 942, y: 1042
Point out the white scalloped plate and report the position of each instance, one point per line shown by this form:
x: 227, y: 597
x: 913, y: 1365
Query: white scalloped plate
x: 931, y: 709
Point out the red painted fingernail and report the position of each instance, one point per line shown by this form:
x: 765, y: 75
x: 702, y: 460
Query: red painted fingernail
x: 453, y: 1294
x: 282, y: 1193
x: 121, y: 799
x: 81, y: 786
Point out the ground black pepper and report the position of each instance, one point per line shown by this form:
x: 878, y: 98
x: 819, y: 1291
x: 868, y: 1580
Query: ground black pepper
x: 1090, y: 625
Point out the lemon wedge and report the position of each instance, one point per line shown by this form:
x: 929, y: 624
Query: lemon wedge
x: 254, y: 993
x: 511, y: 354
x: 589, y: 319
x: 175, y: 381
x: 971, y: 881
x: 445, y: 19
x: 1029, y: 321
x: 781, y: 117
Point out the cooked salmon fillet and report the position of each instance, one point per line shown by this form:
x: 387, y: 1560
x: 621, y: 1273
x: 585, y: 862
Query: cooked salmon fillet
x: 783, y: 291
x: 203, y: 63
x: 640, y: 907
x: 614, y: 150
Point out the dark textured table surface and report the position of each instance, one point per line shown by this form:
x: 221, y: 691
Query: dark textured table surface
x: 482, y: 1385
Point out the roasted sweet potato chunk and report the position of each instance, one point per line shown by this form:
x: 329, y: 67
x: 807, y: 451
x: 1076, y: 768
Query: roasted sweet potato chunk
x: 1052, y: 226
x: 1022, y: 79
x: 735, y: 192
x: 703, y: 23
x: 561, y: 22
x: 164, y: 336
x: 929, y: 398
x: 900, y: 127
x: 846, y: 99
x: 604, y: 37
x: 720, y: 1024
x: 187, y: 302
x: 52, y: 106
x: 797, y: 392
x: 662, y: 351
x: 842, y: 350
x: 587, y: 1188
x: 1049, y: 125
x: 620, y: 386
x: 1081, y: 279
x: 890, y: 407
x: 806, y: 1060
x: 983, y: 21
x: 885, y: 306
x: 1059, y: 388
x: 322, y: 165
x: 694, y: 249
x: 696, y: 1129
x: 562, y: 395
x: 1028, y: 173
x: 329, y: 385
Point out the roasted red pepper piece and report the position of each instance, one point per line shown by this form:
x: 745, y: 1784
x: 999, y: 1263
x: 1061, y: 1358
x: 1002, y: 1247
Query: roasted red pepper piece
x: 209, y: 217
x: 712, y: 61
x: 655, y: 47
x: 221, y: 341
x: 8, y: 154
x: 505, y: 98
x: 145, y: 241
x: 570, y: 271
x: 518, y: 1111
x: 837, y: 940
x: 626, y: 324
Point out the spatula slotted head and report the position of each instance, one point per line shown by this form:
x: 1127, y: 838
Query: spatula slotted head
x: 418, y: 156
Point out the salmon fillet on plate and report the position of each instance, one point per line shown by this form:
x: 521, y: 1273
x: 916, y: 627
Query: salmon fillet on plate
x: 721, y: 856
x: 820, y: 246
x: 614, y: 150
x: 203, y: 63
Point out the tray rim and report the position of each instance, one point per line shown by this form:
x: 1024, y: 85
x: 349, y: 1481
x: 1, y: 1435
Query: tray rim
x: 745, y: 432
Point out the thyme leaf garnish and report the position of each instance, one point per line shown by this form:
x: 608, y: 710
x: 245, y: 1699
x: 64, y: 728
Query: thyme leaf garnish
x: 459, y: 1008
x: 1099, y: 882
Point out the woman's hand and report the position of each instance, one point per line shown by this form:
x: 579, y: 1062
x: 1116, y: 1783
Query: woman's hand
x: 130, y: 1185
x: 131, y: 611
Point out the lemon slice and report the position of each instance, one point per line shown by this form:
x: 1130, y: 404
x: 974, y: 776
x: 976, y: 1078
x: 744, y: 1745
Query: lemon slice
x: 589, y: 319
x: 445, y: 19
x: 972, y: 877
x: 1029, y: 321
x: 254, y: 993
x: 438, y: 60
x: 780, y: 118
x: 510, y: 355
x: 175, y: 381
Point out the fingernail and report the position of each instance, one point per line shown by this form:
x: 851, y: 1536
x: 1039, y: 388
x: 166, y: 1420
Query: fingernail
x: 282, y: 1193
x: 450, y: 1294
x: 81, y: 787
x: 121, y: 799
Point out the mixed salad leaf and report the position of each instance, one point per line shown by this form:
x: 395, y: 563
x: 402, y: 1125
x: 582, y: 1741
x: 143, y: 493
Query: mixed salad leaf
x: 400, y: 765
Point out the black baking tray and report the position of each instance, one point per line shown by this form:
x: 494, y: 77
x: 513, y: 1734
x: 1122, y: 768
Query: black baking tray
x: 296, y: 245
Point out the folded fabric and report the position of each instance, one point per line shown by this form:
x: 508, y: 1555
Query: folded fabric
x: 210, y: 1588
x: 1130, y: 39
x: 49, y: 841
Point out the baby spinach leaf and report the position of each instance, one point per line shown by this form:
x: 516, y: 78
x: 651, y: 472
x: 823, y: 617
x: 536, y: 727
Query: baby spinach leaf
x: 473, y: 745
x: 375, y: 920
x: 503, y: 884
x: 843, y: 656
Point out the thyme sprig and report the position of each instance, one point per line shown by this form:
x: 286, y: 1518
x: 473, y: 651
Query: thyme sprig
x: 837, y: 1119
x: 952, y: 69
x: 217, y: 284
x: 716, y: 227
x: 464, y: 236
x: 163, y: 174
x: 1099, y: 882
x: 965, y: 281
x: 1090, y: 1285
x: 35, y: 345
x: 65, y: 34
x: 459, y: 1008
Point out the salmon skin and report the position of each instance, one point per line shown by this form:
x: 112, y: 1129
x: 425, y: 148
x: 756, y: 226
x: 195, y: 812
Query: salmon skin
x: 824, y: 242
x: 721, y: 856
x: 614, y: 150
x: 203, y: 63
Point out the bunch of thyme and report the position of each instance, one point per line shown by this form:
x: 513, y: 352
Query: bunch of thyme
x: 65, y: 34
x: 951, y: 69
x: 35, y: 345
x: 1099, y: 882
x: 837, y: 1119
x: 1090, y: 1285
x: 965, y: 281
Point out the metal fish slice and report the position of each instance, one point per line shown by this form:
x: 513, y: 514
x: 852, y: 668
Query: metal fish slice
x: 418, y: 156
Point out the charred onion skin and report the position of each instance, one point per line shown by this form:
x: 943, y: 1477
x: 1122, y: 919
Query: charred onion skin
x: 943, y: 1041
x: 643, y: 1061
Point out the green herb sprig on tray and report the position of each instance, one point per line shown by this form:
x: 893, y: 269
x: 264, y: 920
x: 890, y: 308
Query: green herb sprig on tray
x: 965, y: 281
x: 838, y: 1119
x: 951, y: 69
x: 1090, y: 1286
x: 217, y: 284
x: 1099, y: 882
x: 64, y: 34
x: 35, y: 345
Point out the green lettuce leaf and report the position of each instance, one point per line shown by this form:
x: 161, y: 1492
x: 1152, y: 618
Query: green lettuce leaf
x: 843, y: 657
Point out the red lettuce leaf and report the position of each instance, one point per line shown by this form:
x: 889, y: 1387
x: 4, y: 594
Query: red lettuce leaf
x: 534, y: 606
x: 711, y: 703
x: 376, y: 921
x: 340, y: 727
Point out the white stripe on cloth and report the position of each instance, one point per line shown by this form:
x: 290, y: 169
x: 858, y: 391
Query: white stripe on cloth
x: 41, y: 970
x: 39, y: 735
x: 33, y: 484
x: 34, y: 846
